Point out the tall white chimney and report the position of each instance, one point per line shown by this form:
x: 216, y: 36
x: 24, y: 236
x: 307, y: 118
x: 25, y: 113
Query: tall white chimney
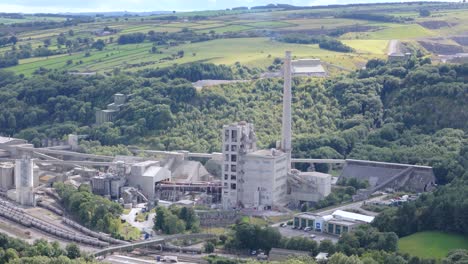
x: 286, y: 131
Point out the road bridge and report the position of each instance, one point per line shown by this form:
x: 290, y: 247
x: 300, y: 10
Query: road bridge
x: 328, y: 161
x: 150, y: 242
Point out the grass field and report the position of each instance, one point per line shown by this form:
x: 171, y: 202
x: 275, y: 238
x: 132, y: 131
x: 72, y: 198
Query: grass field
x: 253, y: 52
x: 400, y: 32
x: 431, y: 244
x: 369, y: 46
x: 4, y: 20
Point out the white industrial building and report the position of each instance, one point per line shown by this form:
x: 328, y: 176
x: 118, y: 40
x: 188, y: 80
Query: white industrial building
x: 309, y: 186
x: 308, y: 67
x: 145, y: 175
x: 337, y: 223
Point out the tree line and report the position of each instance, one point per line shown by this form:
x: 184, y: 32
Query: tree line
x: 325, y: 42
x: 176, y: 220
x: 16, y: 251
x: 92, y: 211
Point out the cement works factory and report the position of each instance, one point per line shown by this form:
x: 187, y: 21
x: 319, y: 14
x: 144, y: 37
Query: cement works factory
x: 239, y: 177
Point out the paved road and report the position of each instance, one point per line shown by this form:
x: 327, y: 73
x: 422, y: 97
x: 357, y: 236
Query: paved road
x: 394, y: 46
x: 355, y: 205
x: 130, y: 218
x: 350, y: 206
x: 289, y: 232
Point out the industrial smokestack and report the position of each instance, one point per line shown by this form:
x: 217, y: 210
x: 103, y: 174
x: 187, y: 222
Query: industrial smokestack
x: 286, y: 131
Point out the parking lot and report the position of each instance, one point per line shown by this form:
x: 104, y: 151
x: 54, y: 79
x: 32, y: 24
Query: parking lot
x: 289, y: 232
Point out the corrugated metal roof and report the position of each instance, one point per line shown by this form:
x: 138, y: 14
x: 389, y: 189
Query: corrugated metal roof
x: 353, y: 216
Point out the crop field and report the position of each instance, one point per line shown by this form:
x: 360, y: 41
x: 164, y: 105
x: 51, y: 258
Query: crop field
x: 432, y: 244
x: 401, y: 32
x: 368, y: 46
x: 271, y: 24
x: 253, y: 52
x: 230, y: 28
x: 245, y: 36
x: 326, y: 23
x: 4, y: 20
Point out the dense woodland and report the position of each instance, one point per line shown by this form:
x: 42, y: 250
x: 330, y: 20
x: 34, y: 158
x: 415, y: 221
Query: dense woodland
x: 411, y: 112
x: 92, y: 211
x: 325, y: 42
x: 16, y: 251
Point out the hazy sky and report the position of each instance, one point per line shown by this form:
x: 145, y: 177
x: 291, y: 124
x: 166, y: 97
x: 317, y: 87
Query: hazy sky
x: 56, y: 6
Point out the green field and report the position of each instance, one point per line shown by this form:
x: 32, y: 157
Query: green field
x: 253, y: 52
x: 432, y: 244
x: 4, y: 20
x: 369, y: 39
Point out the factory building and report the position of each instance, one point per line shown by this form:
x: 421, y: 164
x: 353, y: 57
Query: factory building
x: 384, y: 175
x: 108, y: 115
x: 108, y: 185
x: 309, y: 186
x: 251, y: 178
x: 258, y: 179
x: 145, y: 175
x: 337, y: 223
x: 308, y: 67
x: 238, y: 140
x: 265, y: 179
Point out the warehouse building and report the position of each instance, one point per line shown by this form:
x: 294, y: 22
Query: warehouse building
x: 337, y: 223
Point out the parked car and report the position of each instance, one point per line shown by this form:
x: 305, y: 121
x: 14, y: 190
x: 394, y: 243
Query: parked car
x: 312, y: 236
x: 307, y: 229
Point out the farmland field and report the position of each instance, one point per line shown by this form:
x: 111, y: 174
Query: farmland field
x: 229, y: 36
x: 431, y: 244
x: 253, y: 52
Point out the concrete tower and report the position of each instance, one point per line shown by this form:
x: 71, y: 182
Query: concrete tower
x: 24, y: 180
x: 286, y: 131
x: 239, y: 139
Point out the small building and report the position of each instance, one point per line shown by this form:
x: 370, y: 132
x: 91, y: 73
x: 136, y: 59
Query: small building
x: 308, y: 67
x: 337, y: 223
x: 108, y: 115
x: 398, y: 57
x: 322, y: 257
